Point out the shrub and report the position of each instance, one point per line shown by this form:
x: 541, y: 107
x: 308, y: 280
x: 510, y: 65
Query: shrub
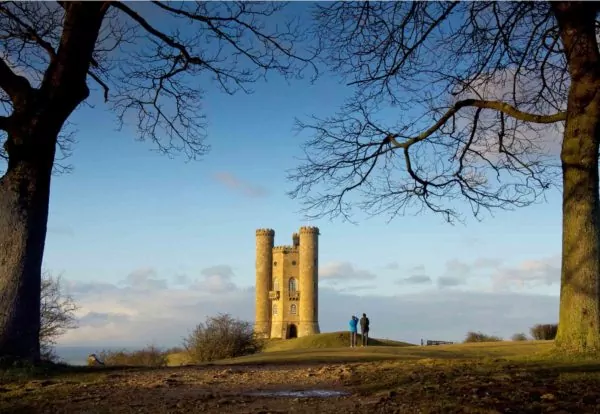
x: 57, y: 314
x: 221, y: 337
x: 150, y: 356
x: 519, y: 337
x: 481, y: 337
x: 546, y: 332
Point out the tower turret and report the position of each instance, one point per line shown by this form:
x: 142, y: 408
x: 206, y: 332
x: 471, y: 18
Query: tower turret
x: 265, y: 239
x: 295, y: 240
x: 309, y: 279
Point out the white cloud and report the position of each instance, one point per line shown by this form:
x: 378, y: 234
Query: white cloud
x: 135, y: 315
x: 145, y: 278
x: 343, y: 271
x: 417, y: 276
x: 415, y: 280
x: 215, y: 279
x: 234, y: 183
x: 528, y: 274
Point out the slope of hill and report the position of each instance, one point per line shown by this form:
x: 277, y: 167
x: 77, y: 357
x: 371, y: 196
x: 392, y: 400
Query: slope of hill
x: 324, y: 340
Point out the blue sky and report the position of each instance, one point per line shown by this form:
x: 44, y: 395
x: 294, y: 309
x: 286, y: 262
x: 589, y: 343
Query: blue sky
x: 150, y: 245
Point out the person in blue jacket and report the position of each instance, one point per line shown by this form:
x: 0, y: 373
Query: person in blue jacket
x: 353, y: 325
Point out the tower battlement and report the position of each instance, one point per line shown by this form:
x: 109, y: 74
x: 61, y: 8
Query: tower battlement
x: 284, y: 249
x: 309, y: 229
x: 287, y: 289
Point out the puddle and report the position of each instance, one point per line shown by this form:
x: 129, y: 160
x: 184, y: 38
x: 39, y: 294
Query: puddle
x: 299, y: 394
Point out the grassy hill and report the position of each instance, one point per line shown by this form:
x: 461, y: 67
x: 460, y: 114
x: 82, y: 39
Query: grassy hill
x: 324, y: 340
x: 333, y: 347
x: 329, y: 340
x: 489, y: 350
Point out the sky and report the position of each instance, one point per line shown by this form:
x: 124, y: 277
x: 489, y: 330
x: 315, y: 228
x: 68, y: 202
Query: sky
x: 150, y: 246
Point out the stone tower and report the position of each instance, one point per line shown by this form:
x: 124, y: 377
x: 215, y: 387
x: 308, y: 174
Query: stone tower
x: 287, y: 281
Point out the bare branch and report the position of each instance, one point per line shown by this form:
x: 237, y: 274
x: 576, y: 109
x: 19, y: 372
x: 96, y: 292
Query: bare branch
x: 454, y: 106
x: 481, y: 104
x: 101, y: 83
x: 158, y: 34
x: 31, y: 32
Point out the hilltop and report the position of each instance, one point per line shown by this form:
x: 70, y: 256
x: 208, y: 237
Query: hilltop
x: 339, y: 339
x: 304, y: 345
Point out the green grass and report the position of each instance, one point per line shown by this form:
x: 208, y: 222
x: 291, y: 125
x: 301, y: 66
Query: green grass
x: 324, y: 340
x: 333, y: 347
x: 304, y: 347
x: 492, y: 350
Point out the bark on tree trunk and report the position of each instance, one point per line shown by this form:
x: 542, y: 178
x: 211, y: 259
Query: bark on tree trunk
x: 579, y: 317
x: 24, y: 198
x: 33, y: 127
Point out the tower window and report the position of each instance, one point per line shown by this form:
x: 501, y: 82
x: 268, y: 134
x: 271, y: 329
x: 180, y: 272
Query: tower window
x: 293, y: 309
x: 274, y: 309
x: 293, y: 285
x: 293, y: 263
x: 274, y: 263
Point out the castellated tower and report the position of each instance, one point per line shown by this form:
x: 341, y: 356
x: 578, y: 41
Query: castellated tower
x: 309, y: 280
x: 287, y: 285
x: 264, y: 258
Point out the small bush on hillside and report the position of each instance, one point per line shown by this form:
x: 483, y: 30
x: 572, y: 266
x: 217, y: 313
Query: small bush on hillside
x: 519, y: 337
x: 149, y: 356
x: 544, y: 332
x: 221, y: 337
x: 481, y: 337
x: 175, y: 350
x: 57, y: 314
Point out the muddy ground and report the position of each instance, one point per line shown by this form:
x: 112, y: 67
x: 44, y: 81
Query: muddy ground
x: 383, y: 387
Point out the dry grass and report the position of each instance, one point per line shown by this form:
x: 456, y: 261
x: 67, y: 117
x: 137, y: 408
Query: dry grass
x: 150, y: 356
x: 496, y: 377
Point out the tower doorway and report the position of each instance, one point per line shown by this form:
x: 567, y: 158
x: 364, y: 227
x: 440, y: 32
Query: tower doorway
x: 293, y: 331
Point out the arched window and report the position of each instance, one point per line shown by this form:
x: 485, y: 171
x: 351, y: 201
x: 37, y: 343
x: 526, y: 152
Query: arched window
x: 293, y: 309
x: 276, y: 284
x: 293, y: 285
x: 274, y: 309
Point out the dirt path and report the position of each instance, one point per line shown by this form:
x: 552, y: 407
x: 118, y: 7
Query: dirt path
x: 366, y: 388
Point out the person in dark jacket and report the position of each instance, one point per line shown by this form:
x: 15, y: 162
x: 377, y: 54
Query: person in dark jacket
x: 352, y: 325
x: 364, y: 329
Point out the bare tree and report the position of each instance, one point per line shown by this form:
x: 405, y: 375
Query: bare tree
x: 475, y: 89
x: 149, y: 61
x: 57, y: 314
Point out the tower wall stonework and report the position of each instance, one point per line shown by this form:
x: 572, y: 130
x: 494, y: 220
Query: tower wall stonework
x: 309, y: 279
x: 265, y: 239
x: 297, y: 310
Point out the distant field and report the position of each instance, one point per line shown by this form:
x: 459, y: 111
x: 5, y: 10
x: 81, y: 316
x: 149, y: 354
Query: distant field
x: 333, y: 347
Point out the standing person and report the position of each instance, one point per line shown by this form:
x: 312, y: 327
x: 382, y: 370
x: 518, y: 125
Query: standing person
x: 352, y: 324
x: 364, y: 329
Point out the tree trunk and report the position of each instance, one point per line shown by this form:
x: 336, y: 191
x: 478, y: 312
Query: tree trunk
x: 33, y: 127
x: 579, y: 319
x: 24, y: 198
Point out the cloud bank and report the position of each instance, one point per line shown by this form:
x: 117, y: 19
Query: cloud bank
x: 480, y: 295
